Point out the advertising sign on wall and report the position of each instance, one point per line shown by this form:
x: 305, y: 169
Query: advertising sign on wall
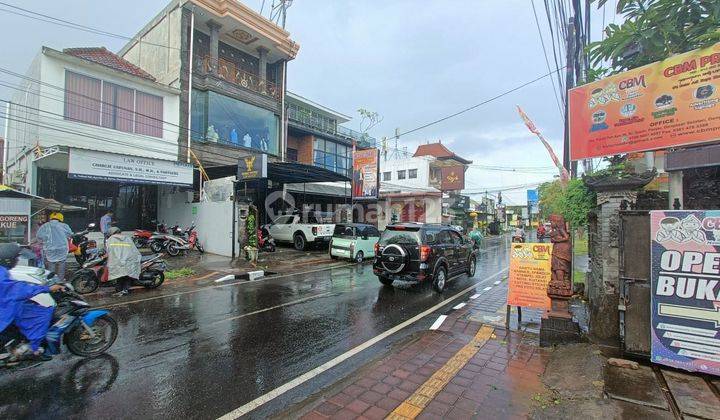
x: 668, y: 103
x: 453, y: 178
x: 365, y: 182
x: 101, y: 166
x: 13, y: 227
x: 529, y: 275
x: 532, y: 201
x: 685, y: 283
x: 252, y: 167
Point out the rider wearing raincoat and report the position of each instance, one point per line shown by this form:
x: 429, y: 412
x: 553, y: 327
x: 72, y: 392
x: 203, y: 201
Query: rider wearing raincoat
x: 123, y: 260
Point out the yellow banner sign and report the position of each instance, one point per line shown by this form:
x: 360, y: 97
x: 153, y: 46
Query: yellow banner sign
x: 529, y: 275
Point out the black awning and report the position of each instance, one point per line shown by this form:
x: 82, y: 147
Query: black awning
x: 284, y: 173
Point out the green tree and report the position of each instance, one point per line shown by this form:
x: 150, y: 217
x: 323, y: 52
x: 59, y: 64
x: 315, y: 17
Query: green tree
x: 654, y: 30
x: 574, y: 202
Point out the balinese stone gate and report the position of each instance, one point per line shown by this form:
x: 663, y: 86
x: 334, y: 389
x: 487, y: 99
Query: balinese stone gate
x: 602, y: 283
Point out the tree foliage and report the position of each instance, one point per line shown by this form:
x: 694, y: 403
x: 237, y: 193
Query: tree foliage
x: 654, y: 30
x: 573, y: 202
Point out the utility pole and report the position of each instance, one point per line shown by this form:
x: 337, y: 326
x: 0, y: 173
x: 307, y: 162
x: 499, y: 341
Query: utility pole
x: 570, y: 58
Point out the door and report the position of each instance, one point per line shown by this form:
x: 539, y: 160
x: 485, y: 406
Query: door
x: 462, y: 249
x: 449, y: 251
x: 372, y: 235
x: 635, y: 293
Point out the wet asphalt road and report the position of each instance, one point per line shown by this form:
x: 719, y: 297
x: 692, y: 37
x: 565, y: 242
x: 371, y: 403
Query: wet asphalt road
x: 203, y: 354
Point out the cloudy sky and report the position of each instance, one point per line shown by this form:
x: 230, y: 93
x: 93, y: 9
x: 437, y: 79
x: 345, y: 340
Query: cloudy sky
x: 413, y: 61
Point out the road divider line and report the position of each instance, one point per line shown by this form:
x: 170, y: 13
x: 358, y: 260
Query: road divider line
x: 475, y: 296
x: 261, y: 400
x: 459, y: 305
x: 438, y: 322
x: 305, y: 299
x: 497, y: 282
x: 487, y: 288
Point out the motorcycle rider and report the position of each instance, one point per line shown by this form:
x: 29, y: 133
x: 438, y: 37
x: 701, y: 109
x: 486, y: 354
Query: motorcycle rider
x: 541, y: 231
x: 17, y: 308
x: 54, y: 237
x: 123, y: 261
x: 519, y: 233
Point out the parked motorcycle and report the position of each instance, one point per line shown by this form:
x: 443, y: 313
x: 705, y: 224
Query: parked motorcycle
x: 82, y: 247
x: 85, y: 331
x: 266, y: 243
x: 142, y: 238
x: 95, y: 273
x: 159, y: 240
x: 186, y: 241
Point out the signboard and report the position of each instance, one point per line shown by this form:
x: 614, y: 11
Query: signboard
x: 365, y: 183
x: 532, y: 201
x: 685, y: 284
x: 452, y: 178
x: 669, y: 103
x: 252, y: 167
x: 529, y: 275
x: 102, y: 166
x: 14, y: 227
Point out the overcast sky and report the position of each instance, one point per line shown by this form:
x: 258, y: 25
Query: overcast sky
x: 413, y: 61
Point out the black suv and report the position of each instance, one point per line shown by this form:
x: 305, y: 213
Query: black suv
x: 416, y: 252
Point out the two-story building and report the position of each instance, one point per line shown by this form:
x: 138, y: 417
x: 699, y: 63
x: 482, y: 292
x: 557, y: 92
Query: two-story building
x: 90, y: 129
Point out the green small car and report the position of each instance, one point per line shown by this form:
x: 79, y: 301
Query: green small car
x: 354, y: 241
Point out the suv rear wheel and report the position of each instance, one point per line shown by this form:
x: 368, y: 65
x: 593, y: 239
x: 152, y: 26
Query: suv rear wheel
x: 439, y: 279
x: 386, y: 281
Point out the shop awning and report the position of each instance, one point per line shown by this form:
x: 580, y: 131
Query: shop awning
x: 285, y: 173
x: 38, y: 203
x: 8, y: 192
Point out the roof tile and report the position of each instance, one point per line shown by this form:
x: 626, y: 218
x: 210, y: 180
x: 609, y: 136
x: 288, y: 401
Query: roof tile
x: 102, y: 56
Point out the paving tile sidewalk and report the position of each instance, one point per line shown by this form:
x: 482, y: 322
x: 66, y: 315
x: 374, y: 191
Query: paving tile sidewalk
x: 465, y: 369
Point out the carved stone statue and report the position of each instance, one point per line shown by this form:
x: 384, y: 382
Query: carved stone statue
x: 561, y: 264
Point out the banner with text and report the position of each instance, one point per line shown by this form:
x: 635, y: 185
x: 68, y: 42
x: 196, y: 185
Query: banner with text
x: 685, y: 284
x: 664, y: 104
x: 529, y: 275
x: 365, y: 182
x: 102, y: 166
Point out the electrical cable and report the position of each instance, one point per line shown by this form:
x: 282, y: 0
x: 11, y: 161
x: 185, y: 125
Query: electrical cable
x: 547, y: 61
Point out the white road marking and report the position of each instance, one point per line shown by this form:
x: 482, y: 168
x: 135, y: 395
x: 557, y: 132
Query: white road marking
x: 438, y: 322
x: 497, y: 282
x: 257, y: 402
x: 487, y: 288
x: 272, y: 307
x: 459, y: 305
x: 226, y: 278
x: 475, y: 296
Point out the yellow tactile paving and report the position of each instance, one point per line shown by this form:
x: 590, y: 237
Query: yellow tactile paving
x: 416, y: 403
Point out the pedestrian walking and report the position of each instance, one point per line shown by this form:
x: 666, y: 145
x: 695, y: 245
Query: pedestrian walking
x: 105, y: 223
x: 123, y: 261
x: 54, y: 236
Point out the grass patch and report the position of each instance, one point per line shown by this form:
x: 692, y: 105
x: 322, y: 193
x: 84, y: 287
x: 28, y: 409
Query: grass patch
x: 579, y: 276
x: 179, y: 272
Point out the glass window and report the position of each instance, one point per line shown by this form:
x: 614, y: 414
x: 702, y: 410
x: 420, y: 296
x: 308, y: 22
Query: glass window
x: 237, y: 123
x: 198, y: 123
x: 149, y: 120
x: 431, y: 236
x: 292, y: 154
x: 387, y: 176
x: 401, y: 174
x: 391, y: 236
x: 82, y: 98
x: 444, y: 237
x: 456, y: 238
x: 117, y: 107
x: 330, y: 147
x: 412, y: 173
x: 320, y: 144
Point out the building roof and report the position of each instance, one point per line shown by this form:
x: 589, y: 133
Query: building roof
x: 102, y: 56
x: 340, y: 117
x: 439, y: 151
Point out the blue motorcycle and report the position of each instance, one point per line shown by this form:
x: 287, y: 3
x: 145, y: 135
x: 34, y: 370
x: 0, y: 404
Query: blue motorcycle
x: 86, y: 332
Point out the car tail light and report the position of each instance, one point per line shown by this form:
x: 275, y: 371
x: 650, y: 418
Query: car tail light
x: 314, y: 230
x: 424, y: 252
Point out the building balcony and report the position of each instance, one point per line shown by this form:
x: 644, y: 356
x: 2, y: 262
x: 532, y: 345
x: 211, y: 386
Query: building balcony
x: 227, y: 71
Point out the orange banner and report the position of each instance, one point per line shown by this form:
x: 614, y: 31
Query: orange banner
x: 665, y: 104
x: 529, y: 275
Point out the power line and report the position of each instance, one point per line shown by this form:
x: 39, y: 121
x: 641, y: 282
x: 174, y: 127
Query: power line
x: 547, y: 61
x: 72, y: 25
x: 470, y: 108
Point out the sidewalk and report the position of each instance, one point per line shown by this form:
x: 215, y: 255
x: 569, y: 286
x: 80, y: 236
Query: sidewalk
x: 472, y: 367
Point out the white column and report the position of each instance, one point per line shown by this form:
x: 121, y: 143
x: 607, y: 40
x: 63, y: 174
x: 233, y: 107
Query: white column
x: 675, y: 188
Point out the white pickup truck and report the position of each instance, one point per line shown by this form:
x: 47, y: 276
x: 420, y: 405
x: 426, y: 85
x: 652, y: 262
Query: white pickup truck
x: 290, y: 228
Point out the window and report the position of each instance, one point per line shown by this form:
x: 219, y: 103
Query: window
x: 401, y: 174
x: 221, y: 119
x: 149, y: 110
x: 412, y: 173
x: 97, y: 102
x: 332, y: 156
x: 387, y: 176
x: 431, y: 236
x: 456, y: 238
x: 292, y: 155
x: 372, y: 232
x: 444, y: 237
x: 82, y: 98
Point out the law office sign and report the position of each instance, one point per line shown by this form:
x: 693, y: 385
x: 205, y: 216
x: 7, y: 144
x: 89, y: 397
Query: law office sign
x: 685, y: 281
x: 102, y: 166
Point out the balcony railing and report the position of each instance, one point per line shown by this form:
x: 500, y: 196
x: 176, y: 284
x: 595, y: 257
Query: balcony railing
x: 311, y: 121
x: 229, y: 72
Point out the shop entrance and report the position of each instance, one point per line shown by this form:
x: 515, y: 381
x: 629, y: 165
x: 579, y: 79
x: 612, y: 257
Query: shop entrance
x: 135, y: 206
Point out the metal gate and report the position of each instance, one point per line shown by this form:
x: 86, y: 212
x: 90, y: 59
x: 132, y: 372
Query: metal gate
x: 634, y: 306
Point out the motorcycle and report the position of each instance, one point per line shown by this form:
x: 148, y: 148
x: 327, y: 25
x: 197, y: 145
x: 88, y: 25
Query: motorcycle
x: 142, y: 238
x: 95, y: 273
x: 185, y: 241
x: 83, y: 248
x: 85, y: 331
x: 266, y: 242
x: 518, y: 237
x: 158, y: 241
